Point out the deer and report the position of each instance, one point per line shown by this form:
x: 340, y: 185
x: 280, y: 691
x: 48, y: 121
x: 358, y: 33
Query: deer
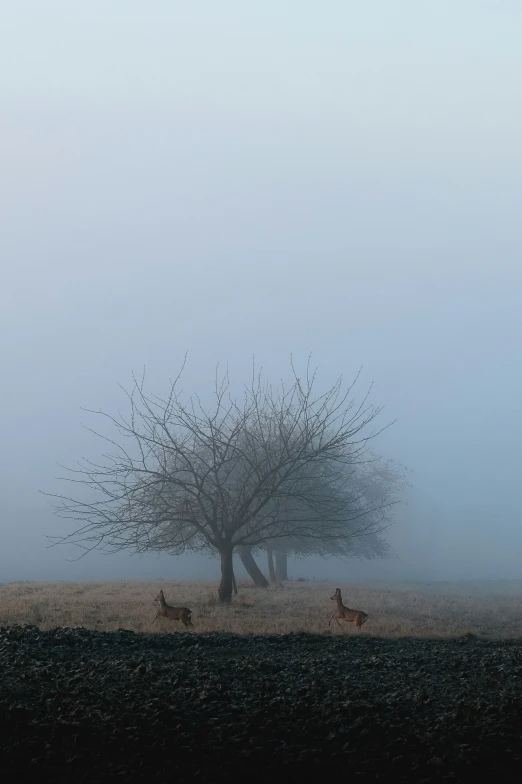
x: 358, y: 617
x: 182, y: 614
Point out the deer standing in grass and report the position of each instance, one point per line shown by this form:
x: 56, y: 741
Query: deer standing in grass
x: 358, y: 617
x: 182, y: 614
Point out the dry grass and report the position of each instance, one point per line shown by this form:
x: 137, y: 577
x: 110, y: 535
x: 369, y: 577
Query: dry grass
x: 493, y: 609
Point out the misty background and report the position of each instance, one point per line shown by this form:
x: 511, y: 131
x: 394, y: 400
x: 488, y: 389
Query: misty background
x: 266, y: 179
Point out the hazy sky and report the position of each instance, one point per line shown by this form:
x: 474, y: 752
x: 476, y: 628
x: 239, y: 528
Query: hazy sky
x: 231, y: 178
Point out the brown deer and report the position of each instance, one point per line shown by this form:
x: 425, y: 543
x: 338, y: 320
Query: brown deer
x: 358, y: 617
x: 182, y: 614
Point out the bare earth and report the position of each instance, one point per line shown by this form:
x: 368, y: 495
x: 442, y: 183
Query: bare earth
x: 413, y: 697
x: 492, y: 609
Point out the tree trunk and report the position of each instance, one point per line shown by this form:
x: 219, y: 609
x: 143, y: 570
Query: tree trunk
x: 227, y: 576
x: 271, y: 570
x: 281, y: 565
x: 234, y: 586
x: 248, y: 561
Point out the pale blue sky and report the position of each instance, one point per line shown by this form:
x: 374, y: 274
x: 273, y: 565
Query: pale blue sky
x: 263, y: 178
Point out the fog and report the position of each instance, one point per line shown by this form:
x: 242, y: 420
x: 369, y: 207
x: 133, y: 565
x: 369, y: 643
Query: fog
x: 267, y: 179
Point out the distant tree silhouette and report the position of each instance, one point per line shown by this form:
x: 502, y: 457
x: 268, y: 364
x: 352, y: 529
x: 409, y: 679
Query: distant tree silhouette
x: 377, y: 484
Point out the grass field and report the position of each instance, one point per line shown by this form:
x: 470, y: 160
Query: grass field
x: 492, y: 609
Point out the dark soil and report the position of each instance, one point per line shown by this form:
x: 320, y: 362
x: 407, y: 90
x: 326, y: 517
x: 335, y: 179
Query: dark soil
x: 84, y: 706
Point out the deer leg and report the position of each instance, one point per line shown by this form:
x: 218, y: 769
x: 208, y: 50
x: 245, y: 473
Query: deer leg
x: 156, y: 617
x: 329, y: 622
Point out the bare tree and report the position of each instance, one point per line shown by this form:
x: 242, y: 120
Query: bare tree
x: 378, y: 483
x: 236, y: 473
x: 366, y: 546
x: 281, y: 564
x: 251, y: 567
